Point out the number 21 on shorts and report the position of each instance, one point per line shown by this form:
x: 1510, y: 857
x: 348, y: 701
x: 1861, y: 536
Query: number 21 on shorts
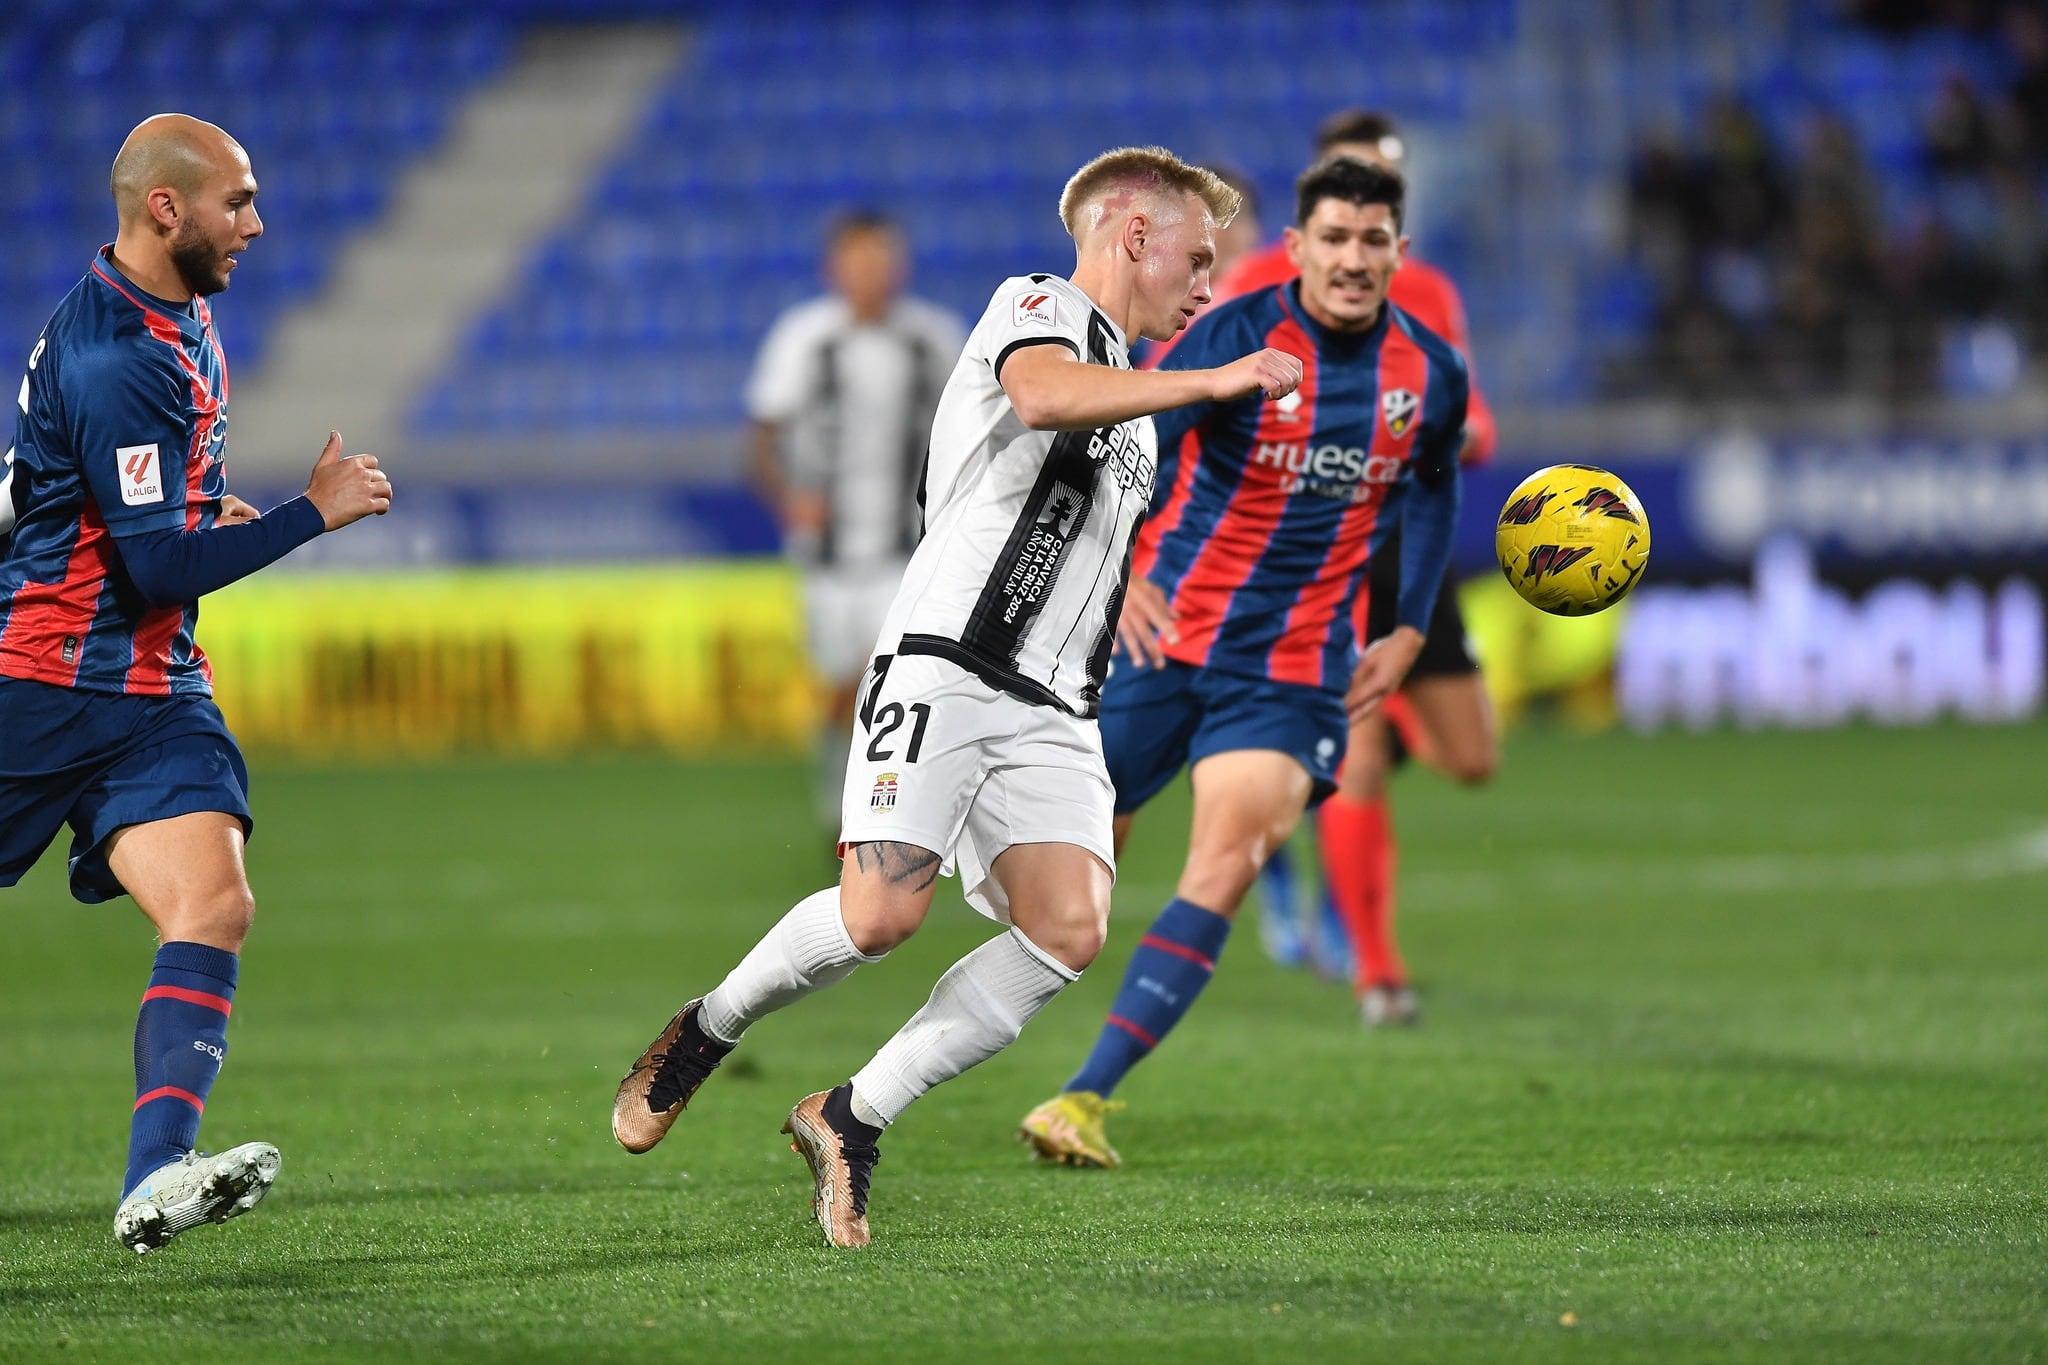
x: 888, y: 720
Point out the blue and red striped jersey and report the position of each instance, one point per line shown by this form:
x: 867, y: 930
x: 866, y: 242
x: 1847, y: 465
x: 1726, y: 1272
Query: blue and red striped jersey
x: 1265, y: 511
x: 120, y: 433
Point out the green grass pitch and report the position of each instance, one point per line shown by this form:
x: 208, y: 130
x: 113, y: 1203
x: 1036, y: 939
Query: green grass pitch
x: 1736, y: 1049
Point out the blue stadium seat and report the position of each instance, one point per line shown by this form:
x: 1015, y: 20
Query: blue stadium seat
x: 964, y: 120
x: 331, y: 110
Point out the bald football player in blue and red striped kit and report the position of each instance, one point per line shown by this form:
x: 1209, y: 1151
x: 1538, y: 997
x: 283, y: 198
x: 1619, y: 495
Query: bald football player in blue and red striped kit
x: 1238, y: 648
x: 114, y: 520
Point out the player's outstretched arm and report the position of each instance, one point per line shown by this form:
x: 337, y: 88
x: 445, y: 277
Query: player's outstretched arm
x: 1052, y: 391
x: 171, y: 567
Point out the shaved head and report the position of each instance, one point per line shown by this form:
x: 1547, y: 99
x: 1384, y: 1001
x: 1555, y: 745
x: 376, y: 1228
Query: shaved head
x: 171, y: 151
x: 1151, y: 180
x: 186, y: 198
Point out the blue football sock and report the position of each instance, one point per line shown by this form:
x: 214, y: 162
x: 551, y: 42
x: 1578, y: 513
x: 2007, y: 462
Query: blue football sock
x: 1174, y: 961
x: 180, y: 1041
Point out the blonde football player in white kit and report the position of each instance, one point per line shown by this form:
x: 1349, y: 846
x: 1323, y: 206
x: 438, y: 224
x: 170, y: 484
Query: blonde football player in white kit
x: 976, y: 747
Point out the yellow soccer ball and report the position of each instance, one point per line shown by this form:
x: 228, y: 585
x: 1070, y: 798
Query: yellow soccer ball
x: 1572, y: 540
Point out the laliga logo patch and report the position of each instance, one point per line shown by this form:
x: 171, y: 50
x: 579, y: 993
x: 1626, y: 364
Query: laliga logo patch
x: 142, y: 479
x: 1289, y: 407
x: 1399, y: 408
x: 1035, y: 306
x: 884, y: 798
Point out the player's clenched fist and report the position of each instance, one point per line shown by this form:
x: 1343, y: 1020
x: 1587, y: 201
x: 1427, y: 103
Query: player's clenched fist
x: 347, y: 490
x: 1272, y: 373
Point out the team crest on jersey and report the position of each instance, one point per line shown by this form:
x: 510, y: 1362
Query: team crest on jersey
x: 884, y: 798
x: 1399, y: 407
x: 1035, y: 306
x: 1062, y: 511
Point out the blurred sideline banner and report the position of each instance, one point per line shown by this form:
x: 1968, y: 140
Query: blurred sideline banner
x: 379, y: 666
x: 691, y: 657
x: 1791, y: 583
x: 1798, y: 583
x: 1790, y: 649
x: 1865, y: 509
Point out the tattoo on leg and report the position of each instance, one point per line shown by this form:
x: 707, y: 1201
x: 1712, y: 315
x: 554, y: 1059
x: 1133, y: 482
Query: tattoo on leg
x: 900, y: 863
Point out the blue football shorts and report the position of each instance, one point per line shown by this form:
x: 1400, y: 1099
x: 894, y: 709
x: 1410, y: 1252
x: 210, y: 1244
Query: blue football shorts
x: 103, y: 760
x: 1155, y: 721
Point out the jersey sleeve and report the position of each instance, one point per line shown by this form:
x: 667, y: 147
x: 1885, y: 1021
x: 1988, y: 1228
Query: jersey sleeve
x: 1443, y: 420
x: 782, y: 372
x: 131, y: 425
x: 1028, y: 313
x: 173, y: 567
x: 1429, y: 517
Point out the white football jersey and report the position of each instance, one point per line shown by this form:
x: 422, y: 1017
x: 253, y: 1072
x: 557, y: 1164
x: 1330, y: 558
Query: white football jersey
x: 1028, y: 534
x: 854, y: 402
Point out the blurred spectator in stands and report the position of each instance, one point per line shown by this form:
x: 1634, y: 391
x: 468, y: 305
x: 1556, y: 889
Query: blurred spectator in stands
x: 1710, y: 227
x: 1776, y: 279
x: 1901, y: 17
x: 842, y: 398
x: 1962, y: 136
x: 1742, y: 189
x: 1664, y: 211
x: 1829, y: 281
x: 2026, y: 33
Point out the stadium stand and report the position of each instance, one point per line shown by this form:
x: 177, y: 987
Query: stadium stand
x: 642, y: 315
x: 344, y: 97
x: 639, y: 315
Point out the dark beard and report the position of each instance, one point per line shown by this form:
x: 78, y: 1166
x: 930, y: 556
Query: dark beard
x: 197, y: 262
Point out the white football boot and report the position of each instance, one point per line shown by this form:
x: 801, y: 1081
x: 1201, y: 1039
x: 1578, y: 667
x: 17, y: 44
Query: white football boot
x: 195, y: 1189
x: 1389, y: 1007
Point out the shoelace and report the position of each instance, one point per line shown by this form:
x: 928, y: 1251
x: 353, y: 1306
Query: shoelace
x: 861, y: 1160
x: 677, y: 1074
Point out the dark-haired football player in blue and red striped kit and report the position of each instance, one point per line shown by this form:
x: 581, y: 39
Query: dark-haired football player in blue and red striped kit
x: 114, y: 519
x: 1239, y: 652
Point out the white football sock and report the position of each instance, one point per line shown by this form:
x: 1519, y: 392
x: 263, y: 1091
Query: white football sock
x: 978, y: 1008
x: 807, y: 950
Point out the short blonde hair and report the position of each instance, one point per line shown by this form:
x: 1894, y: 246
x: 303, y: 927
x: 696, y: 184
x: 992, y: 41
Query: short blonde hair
x: 1145, y: 170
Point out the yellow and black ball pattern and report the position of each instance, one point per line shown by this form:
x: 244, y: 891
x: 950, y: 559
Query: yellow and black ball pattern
x: 1573, y: 539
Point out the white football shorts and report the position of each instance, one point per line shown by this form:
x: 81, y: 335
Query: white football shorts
x: 946, y: 762
x: 845, y: 610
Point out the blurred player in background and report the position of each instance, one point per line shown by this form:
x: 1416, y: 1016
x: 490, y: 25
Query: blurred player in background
x: 977, y: 744
x: 117, y: 520
x: 841, y: 399
x: 1240, y: 652
x: 1441, y: 715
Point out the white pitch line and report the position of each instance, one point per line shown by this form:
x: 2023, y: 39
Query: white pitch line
x: 2024, y: 854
